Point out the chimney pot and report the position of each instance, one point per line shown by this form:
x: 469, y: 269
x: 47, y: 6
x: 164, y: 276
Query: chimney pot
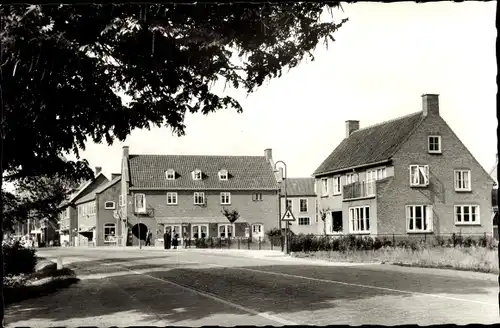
x: 98, y: 170
x: 350, y: 127
x: 125, y: 151
x: 268, y: 153
x: 430, y: 104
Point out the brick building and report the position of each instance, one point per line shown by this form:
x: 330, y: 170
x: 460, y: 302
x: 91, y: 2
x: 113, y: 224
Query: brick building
x: 185, y: 194
x: 301, y: 200
x: 408, y: 176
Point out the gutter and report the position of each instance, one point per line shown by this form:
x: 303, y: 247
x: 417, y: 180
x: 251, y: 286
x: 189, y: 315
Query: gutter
x: 316, y: 175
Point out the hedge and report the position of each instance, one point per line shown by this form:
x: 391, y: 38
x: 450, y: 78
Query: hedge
x: 18, y: 259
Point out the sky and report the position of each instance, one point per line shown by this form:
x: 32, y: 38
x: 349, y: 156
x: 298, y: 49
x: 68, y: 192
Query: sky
x: 384, y: 58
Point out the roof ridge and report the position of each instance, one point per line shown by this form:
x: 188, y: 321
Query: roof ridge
x: 386, y: 121
x: 159, y: 155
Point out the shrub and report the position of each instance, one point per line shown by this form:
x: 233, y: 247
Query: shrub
x: 201, y: 243
x: 18, y: 259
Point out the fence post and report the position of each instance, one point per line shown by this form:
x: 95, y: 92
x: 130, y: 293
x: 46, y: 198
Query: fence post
x: 248, y: 243
x: 453, y: 238
x: 211, y: 242
x: 229, y: 243
x: 425, y: 237
x: 220, y: 243
x: 393, y: 240
x: 259, y: 244
x: 271, y: 240
x: 239, y: 241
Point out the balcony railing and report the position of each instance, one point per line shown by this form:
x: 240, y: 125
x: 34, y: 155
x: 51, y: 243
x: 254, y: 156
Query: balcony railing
x: 359, y: 190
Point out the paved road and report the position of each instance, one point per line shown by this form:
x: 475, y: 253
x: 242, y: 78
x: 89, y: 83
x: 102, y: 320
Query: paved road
x: 193, y: 288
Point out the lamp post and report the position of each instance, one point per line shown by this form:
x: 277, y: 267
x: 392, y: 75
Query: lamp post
x: 286, y: 204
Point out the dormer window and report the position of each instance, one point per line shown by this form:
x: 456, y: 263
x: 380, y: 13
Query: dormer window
x: 223, y: 175
x: 170, y: 174
x: 196, y: 174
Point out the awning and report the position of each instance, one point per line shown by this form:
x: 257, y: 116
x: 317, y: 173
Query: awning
x: 86, y: 229
x: 196, y: 220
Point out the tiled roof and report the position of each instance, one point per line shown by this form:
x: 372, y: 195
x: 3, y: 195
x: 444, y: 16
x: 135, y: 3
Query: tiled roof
x: 245, y: 172
x: 91, y: 195
x: 298, y: 187
x: 372, y: 144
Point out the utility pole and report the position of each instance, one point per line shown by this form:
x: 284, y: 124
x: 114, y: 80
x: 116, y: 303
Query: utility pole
x: 286, y: 204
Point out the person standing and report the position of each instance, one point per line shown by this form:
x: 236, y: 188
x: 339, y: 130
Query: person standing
x: 148, y: 238
x: 175, y: 241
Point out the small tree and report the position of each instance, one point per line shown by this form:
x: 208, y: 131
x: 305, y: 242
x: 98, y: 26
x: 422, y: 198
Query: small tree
x: 322, y: 215
x: 231, y: 215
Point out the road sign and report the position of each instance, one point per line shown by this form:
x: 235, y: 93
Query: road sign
x: 288, y: 216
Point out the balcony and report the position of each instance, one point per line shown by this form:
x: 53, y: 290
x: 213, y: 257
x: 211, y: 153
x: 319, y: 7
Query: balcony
x: 359, y: 190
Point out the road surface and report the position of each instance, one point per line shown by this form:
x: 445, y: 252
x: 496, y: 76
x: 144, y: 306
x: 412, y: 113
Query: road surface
x: 124, y: 287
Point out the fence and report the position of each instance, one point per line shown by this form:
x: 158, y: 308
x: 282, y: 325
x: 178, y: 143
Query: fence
x: 266, y: 243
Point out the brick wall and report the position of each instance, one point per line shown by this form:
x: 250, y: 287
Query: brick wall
x: 105, y: 216
x: 311, y: 213
x: 441, y: 191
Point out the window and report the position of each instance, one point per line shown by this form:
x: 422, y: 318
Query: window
x: 351, y: 178
x: 199, y: 231
x: 170, y: 174
x: 304, y: 221
x: 289, y: 204
x: 92, y: 208
x: 223, y: 175
x: 466, y: 214
x: 109, y: 233
x: 199, y: 198
x: 257, y: 197
x: 140, y: 203
x: 256, y: 228
x: 225, y: 198
x: 336, y: 185
x: 66, y: 213
x: 419, y: 175
x: 196, y: 174
x: 435, y: 144
x: 225, y: 230
x: 109, y: 205
x: 462, y: 180
x: 171, y: 198
x: 359, y: 218
x: 419, y: 218
x: 324, y: 184
x: 303, y: 205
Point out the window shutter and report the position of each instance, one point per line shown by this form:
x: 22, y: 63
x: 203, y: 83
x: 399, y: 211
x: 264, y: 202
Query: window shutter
x: 427, y: 174
x: 429, y: 215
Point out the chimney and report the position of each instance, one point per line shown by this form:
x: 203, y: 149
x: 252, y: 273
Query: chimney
x: 350, y: 127
x: 115, y: 175
x: 125, y: 151
x: 98, y: 170
x: 269, y: 154
x: 430, y: 104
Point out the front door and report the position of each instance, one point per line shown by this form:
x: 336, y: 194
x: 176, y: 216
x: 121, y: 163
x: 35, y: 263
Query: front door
x: 174, y: 229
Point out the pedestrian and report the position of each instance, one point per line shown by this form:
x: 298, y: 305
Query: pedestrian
x: 175, y: 241
x: 148, y: 238
x: 184, y: 240
x: 169, y: 239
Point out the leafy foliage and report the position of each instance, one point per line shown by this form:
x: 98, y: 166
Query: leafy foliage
x: 64, y: 64
x: 17, y: 259
x: 231, y: 215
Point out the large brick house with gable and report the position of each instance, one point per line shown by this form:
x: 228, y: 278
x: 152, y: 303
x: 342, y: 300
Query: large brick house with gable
x: 411, y: 175
x: 186, y: 194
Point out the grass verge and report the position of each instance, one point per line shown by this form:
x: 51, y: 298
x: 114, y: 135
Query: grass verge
x: 460, y: 258
x: 46, y: 280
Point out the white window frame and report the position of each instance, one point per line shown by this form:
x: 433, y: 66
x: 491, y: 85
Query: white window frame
x: 172, y: 198
x: 121, y: 200
x: 291, y: 204
x: 469, y: 207
x: 93, y: 208
x: 104, y: 234
x: 198, y: 195
x: 411, y: 215
x: 197, y: 174
x: 337, y: 185
x: 223, y: 175
x: 224, y: 195
x: 420, y: 170
x: 351, y: 178
x: 66, y: 213
x: 260, y: 231
x: 199, y: 230
x: 112, y: 207
x: 324, y: 187
x: 257, y: 197
x: 458, y: 181
x: 303, y: 217
x: 140, y: 209
x: 300, y: 205
x: 225, y: 229
x: 170, y: 174
x: 357, y: 214
x: 438, y: 151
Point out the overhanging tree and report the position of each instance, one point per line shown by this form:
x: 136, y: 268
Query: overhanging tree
x: 61, y: 66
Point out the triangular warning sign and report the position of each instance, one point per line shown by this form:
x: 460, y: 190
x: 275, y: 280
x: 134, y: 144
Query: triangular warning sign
x: 288, y: 216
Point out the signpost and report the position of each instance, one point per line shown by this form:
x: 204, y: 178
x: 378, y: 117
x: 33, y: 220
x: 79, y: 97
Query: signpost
x: 287, y: 218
